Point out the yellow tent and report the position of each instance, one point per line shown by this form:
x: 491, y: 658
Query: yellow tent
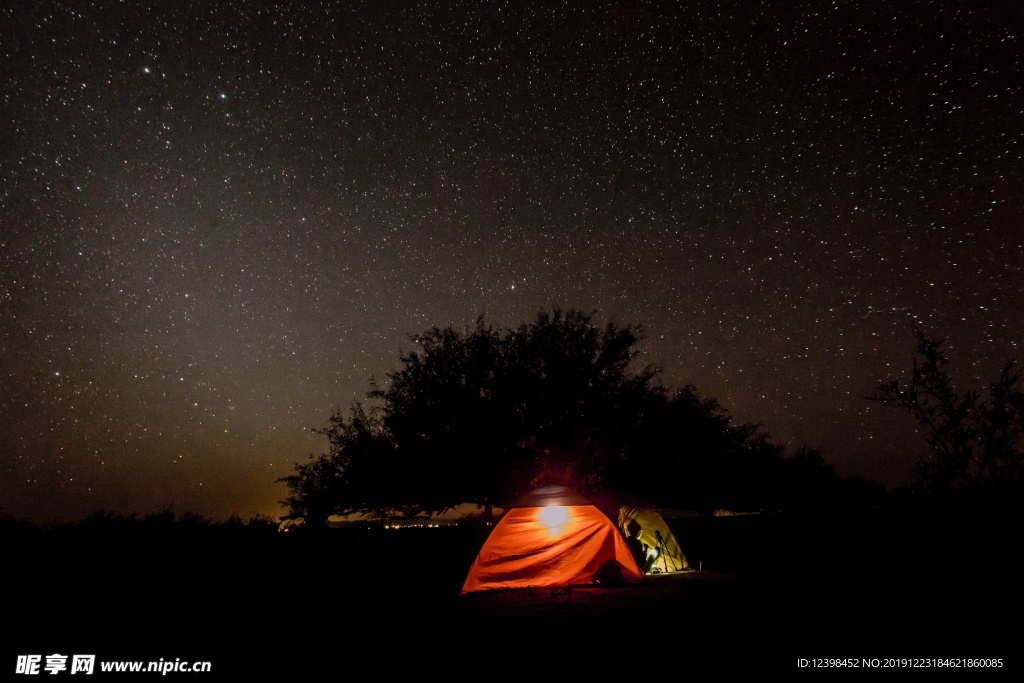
x: 664, y: 554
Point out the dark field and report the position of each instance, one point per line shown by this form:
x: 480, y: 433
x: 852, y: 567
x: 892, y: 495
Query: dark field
x: 939, y: 585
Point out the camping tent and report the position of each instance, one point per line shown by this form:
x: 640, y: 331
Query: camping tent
x: 553, y: 536
x: 666, y: 556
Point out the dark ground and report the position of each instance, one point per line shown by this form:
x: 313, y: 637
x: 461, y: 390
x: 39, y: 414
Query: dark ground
x: 930, y: 584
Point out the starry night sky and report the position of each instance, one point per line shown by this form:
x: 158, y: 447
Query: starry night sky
x: 219, y: 220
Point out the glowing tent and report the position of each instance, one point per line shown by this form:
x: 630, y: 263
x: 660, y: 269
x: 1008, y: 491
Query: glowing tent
x: 551, y: 537
x: 663, y: 550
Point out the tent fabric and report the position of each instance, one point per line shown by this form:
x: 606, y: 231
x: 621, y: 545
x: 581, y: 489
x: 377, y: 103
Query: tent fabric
x: 551, y: 495
x: 666, y: 555
x: 553, y: 537
x: 654, y: 533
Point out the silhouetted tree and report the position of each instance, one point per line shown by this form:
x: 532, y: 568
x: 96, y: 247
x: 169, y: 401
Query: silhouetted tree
x: 481, y: 416
x: 484, y: 415
x: 690, y: 454
x: 975, y: 442
x: 352, y: 477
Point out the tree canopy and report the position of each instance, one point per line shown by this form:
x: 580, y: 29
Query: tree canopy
x: 483, y: 415
x: 976, y: 442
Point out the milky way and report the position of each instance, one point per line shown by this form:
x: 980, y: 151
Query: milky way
x: 221, y: 220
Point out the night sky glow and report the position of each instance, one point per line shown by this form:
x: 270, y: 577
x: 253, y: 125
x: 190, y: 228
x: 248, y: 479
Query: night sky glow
x: 219, y: 220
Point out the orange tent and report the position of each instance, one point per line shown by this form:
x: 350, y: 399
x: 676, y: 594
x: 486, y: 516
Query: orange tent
x: 551, y: 537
